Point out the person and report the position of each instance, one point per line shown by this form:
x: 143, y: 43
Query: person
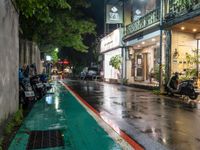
x: 173, y: 83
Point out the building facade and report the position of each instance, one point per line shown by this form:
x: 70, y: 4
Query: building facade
x: 160, y: 38
x: 111, y: 45
x: 142, y: 42
x: 181, y: 25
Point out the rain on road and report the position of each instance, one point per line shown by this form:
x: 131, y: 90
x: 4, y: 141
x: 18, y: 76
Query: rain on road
x: 153, y: 121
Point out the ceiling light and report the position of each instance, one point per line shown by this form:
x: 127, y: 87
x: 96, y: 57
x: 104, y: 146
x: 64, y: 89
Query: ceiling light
x: 143, y: 42
x: 194, y: 30
x: 182, y: 28
x: 153, y: 39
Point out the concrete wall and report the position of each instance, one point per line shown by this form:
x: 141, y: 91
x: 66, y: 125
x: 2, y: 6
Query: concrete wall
x: 29, y: 53
x: 9, y: 60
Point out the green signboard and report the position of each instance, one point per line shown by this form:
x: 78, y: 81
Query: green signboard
x: 114, y: 14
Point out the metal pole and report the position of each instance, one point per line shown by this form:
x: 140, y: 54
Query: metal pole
x: 161, y: 38
x: 105, y: 1
x: 197, y: 59
x: 123, y: 46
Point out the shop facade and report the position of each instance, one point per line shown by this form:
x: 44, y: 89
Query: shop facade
x: 111, y: 45
x: 143, y: 58
x: 142, y: 41
x: 183, y: 34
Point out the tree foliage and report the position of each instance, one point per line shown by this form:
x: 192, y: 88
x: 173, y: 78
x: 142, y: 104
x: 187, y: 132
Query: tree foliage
x: 55, y: 23
x: 40, y: 9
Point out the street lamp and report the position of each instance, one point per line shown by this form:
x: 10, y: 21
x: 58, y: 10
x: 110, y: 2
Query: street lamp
x: 48, y: 58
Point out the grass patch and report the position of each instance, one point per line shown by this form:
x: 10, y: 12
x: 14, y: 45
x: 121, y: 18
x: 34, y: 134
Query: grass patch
x: 157, y: 92
x: 1, y: 143
x: 10, y: 129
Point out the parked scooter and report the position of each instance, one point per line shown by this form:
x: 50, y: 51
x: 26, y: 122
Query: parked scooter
x: 183, y: 88
x: 44, y: 80
x: 38, y: 86
x: 26, y: 94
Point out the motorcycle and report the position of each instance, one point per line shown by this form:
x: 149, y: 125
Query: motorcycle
x: 38, y: 86
x: 26, y: 94
x: 183, y: 88
x: 44, y: 80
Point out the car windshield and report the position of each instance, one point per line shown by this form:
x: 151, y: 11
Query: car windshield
x: 94, y: 69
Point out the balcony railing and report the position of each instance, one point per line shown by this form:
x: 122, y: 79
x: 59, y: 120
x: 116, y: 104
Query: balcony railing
x: 178, y: 8
x: 143, y: 22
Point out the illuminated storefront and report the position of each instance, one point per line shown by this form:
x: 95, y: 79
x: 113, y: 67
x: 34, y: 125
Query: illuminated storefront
x: 182, y: 23
x: 142, y: 41
x: 185, y: 48
x: 143, y: 59
x: 111, y: 46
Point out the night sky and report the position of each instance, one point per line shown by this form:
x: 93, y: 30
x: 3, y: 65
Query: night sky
x: 96, y: 11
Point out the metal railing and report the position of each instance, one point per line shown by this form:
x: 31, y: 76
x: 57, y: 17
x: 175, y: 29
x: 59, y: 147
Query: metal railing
x: 179, y: 8
x: 143, y: 22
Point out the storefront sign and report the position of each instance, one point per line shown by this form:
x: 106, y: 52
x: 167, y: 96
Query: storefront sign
x: 114, y: 14
x: 112, y: 40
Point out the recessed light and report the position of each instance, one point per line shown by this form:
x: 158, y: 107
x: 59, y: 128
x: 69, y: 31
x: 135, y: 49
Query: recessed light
x: 153, y: 39
x: 182, y: 28
x: 194, y: 30
x: 143, y: 42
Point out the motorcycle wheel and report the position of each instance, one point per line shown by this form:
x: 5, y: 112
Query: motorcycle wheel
x: 169, y: 93
x: 193, y: 96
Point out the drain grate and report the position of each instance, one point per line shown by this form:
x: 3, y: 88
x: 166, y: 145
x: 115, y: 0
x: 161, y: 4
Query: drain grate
x: 45, y: 139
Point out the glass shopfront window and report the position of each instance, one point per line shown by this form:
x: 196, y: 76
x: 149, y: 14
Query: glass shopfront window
x: 185, y: 55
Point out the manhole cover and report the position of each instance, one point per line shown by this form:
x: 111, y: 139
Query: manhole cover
x: 45, y: 139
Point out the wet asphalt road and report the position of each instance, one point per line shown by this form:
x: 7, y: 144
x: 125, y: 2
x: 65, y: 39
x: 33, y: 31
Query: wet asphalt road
x: 153, y: 121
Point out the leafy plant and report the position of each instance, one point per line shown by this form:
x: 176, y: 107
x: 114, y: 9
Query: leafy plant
x: 155, y: 72
x: 18, y: 117
x: 116, y: 61
x: 157, y: 92
x: 15, y: 121
x: 183, y: 3
x: 1, y: 143
x: 125, y: 81
x: 9, y: 127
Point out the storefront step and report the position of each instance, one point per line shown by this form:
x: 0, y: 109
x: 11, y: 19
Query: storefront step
x: 144, y: 86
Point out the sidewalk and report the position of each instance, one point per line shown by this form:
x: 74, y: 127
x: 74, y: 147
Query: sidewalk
x: 59, y: 121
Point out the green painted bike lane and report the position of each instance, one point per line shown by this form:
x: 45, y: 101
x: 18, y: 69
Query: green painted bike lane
x: 62, y: 111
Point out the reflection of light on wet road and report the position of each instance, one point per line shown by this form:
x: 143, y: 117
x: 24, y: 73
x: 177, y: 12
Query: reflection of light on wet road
x: 111, y: 99
x: 154, y: 132
x: 56, y: 102
x: 110, y: 122
x: 164, y: 140
x: 49, y: 99
x: 172, y: 124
